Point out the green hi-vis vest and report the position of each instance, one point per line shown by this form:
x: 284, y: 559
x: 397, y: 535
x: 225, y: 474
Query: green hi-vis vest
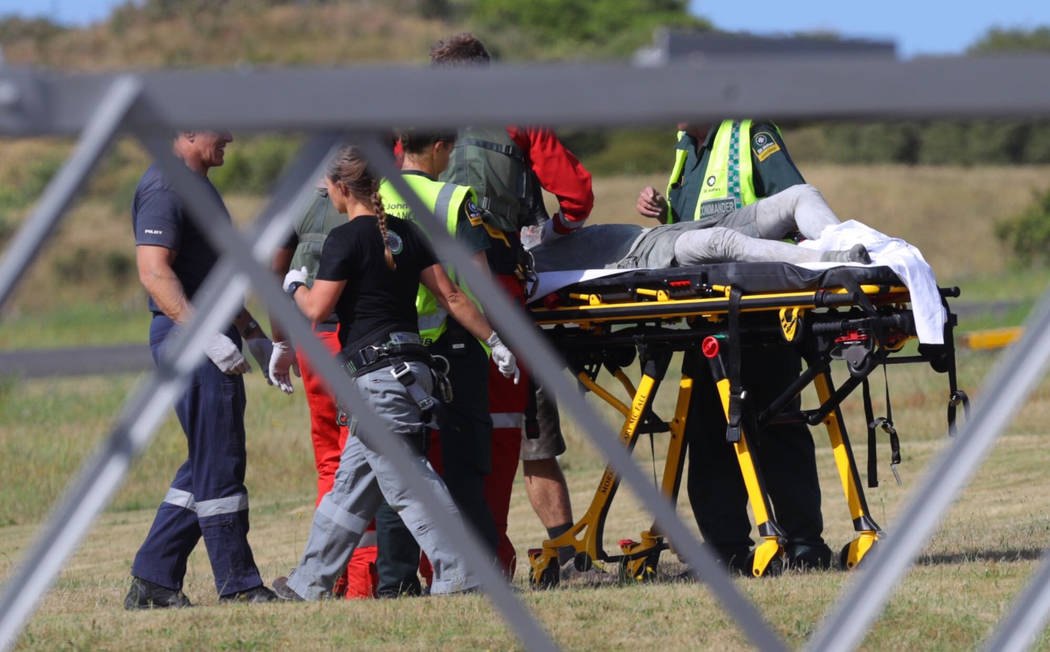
x: 728, y: 181
x: 490, y: 162
x: 312, y: 229
x: 445, y: 200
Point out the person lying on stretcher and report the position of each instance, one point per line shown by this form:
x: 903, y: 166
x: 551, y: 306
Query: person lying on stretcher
x: 749, y: 234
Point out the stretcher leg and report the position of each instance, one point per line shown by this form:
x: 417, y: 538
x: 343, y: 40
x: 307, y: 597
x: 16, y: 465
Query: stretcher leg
x: 866, y: 528
x: 640, y: 558
x: 585, y: 536
x: 768, y: 555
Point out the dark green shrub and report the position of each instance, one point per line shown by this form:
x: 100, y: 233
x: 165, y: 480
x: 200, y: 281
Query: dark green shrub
x: 74, y: 266
x: 1027, y: 234
x: 119, y: 265
x: 253, y: 165
x: 633, y: 151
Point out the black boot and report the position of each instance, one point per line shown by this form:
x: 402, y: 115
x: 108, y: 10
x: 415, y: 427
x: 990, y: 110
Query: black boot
x: 144, y: 594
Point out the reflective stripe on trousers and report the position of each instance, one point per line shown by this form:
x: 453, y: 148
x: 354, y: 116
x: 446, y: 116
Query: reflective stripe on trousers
x: 508, y: 419
x: 206, y: 508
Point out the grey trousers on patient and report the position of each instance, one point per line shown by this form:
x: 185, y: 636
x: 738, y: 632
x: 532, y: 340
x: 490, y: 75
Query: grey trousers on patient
x: 363, y: 480
x: 748, y: 234
x: 752, y: 233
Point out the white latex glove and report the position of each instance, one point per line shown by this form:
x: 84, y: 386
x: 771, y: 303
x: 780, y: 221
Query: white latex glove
x: 503, y: 358
x: 227, y: 357
x: 261, y: 349
x: 294, y: 276
x: 549, y: 234
x: 281, y: 360
x: 531, y: 235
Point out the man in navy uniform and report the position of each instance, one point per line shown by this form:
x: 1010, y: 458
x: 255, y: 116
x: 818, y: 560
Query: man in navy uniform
x: 207, y: 498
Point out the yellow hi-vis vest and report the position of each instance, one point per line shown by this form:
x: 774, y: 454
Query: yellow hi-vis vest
x: 728, y: 183
x: 445, y: 200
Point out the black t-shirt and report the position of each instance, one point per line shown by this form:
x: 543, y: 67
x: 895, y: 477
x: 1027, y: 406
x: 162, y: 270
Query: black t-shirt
x: 376, y: 300
x: 160, y: 219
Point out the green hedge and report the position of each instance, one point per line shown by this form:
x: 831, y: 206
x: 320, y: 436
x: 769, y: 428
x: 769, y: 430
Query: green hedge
x: 1028, y: 233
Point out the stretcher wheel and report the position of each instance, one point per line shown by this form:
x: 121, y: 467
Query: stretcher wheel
x: 583, y: 562
x: 844, y: 556
x: 775, y: 567
x: 861, y: 367
x: 548, y: 579
x: 639, y: 570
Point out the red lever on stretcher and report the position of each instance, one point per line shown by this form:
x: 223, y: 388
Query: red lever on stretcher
x: 710, y: 346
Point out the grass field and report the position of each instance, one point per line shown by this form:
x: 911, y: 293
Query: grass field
x: 83, y: 293
x: 968, y: 574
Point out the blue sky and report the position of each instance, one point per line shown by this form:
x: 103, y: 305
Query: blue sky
x: 917, y: 26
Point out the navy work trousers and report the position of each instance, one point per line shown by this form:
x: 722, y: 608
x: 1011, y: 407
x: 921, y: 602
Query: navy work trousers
x: 784, y: 451
x: 207, y: 498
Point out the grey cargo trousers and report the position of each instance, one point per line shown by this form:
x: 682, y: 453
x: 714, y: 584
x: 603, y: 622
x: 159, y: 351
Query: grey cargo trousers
x: 363, y: 480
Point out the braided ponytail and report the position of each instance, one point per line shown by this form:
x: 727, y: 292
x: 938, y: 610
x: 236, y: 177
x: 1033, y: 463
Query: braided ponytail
x: 351, y: 168
x: 377, y: 206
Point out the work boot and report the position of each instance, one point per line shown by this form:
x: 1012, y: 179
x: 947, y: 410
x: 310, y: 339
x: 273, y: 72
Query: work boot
x: 858, y: 253
x: 283, y: 592
x: 807, y: 555
x: 409, y: 588
x: 251, y: 596
x: 737, y: 560
x: 144, y: 594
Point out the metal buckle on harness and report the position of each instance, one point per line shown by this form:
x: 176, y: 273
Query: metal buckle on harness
x: 895, y: 446
x: 442, y: 384
x: 403, y: 374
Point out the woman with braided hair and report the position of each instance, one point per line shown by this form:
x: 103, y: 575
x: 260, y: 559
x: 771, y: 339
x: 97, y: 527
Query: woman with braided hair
x: 370, y: 270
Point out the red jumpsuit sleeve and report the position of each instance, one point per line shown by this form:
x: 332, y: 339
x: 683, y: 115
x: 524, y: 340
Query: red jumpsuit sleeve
x: 559, y: 172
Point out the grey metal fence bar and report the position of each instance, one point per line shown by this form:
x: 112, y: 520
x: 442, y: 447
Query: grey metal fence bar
x: 101, y: 126
x: 34, y: 103
x: 1005, y: 390
x: 545, y: 363
x: 1027, y: 616
x: 782, y: 87
x: 227, y: 241
x: 101, y: 476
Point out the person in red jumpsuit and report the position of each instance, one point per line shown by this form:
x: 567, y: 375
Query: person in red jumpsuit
x: 513, y: 200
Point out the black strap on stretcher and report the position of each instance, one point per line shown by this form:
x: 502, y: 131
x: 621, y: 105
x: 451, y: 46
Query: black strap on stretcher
x: 736, y: 389
x: 886, y: 424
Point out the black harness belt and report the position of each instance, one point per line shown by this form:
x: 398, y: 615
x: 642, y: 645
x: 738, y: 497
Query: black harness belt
x: 859, y: 315
x: 395, y: 353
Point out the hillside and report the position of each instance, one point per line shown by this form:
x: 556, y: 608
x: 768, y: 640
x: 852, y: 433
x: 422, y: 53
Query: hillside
x: 945, y: 209
x: 324, y: 34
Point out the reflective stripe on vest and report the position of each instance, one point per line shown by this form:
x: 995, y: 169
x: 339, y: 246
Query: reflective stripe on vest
x: 728, y: 182
x: 444, y: 200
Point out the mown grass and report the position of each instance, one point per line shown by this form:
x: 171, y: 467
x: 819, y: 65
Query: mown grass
x: 979, y: 559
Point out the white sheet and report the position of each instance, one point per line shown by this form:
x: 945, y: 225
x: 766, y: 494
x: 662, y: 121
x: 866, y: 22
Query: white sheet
x: 904, y: 259
x: 907, y: 263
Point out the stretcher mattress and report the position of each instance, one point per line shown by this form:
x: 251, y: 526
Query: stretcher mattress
x: 748, y: 277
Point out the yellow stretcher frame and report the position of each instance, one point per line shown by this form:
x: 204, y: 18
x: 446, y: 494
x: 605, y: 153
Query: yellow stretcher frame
x: 638, y: 559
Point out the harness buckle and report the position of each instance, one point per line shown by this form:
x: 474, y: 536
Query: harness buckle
x: 403, y: 373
